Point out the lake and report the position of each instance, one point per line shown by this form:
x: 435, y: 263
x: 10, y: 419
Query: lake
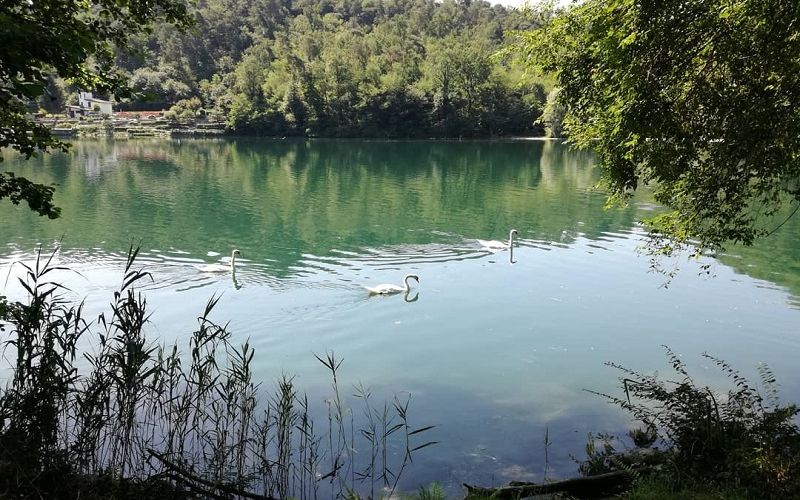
x: 495, y: 354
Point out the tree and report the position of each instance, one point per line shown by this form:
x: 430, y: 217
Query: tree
x: 74, y: 41
x: 161, y: 87
x: 185, y: 110
x: 700, y: 100
x: 553, y: 115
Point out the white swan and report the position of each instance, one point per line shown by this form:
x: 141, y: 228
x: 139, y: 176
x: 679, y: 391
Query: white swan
x: 221, y: 268
x: 494, y: 245
x: 389, y: 289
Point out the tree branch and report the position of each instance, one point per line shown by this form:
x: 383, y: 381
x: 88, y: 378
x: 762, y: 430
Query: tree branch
x: 192, y: 477
x: 582, y: 487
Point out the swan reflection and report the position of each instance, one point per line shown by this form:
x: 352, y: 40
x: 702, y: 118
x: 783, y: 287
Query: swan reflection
x: 236, y: 284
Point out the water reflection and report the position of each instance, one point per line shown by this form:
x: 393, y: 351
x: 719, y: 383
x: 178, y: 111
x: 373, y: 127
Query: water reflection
x: 494, y: 354
x: 236, y: 284
x: 283, y: 201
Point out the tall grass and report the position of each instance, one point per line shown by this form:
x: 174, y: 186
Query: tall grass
x: 195, y: 422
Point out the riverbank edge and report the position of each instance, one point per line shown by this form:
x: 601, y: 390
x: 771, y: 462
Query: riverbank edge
x: 152, y: 125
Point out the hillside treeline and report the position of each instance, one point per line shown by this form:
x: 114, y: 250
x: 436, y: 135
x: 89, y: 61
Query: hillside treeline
x: 339, y: 68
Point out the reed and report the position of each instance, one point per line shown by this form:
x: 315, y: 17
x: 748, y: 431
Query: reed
x: 145, y: 415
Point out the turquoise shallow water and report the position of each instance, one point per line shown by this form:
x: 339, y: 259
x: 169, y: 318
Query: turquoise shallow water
x: 495, y: 354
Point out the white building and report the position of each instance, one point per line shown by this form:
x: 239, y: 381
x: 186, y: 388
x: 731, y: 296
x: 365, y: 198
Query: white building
x: 88, y: 104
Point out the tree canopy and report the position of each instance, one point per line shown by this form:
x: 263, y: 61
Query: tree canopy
x: 700, y: 100
x: 342, y: 68
x: 73, y: 40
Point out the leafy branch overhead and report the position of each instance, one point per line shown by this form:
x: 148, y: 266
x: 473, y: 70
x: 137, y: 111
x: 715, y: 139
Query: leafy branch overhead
x: 39, y: 197
x: 699, y: 100
x: 76, y: 41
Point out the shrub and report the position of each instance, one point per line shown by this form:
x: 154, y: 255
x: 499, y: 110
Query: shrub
x: 738, y: 439
x: 185, y: 110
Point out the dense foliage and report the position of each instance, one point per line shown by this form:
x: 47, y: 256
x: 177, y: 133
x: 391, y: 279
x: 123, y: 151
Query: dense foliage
x: 395, y: 68
x: 700, y: 100
x: 741, y: 439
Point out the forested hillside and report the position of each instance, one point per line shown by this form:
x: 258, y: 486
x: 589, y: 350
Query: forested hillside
x: 340, y: 68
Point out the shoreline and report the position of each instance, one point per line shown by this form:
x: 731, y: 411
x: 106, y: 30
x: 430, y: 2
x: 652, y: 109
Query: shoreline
x: 153, y: 126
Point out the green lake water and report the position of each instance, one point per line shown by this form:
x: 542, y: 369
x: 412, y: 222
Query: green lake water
x: 495, y: 354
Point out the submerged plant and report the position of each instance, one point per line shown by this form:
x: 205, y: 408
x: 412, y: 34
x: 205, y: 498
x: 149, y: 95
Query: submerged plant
x: 433, y: 491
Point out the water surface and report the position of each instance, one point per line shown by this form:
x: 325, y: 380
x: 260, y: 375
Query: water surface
x: 495, y: 354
